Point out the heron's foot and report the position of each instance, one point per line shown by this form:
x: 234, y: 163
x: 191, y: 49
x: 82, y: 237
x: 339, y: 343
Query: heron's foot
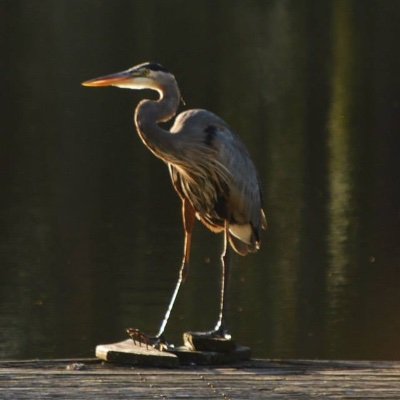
x: 217, y: 340
x: 161, y: 344
x: 221, y: 332
x: 156, y: 342
x: 216, y: 333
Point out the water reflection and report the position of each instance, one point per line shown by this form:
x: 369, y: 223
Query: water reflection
x: 341, y: 204
x: 90, y: 238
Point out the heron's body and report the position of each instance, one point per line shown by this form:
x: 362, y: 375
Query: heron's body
x: 209, y: 165
x: 218, y: 194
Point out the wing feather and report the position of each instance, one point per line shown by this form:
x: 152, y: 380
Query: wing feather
x: 218, y: 177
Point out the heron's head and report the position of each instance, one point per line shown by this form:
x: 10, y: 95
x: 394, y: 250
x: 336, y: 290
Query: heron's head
x: 143, y: 76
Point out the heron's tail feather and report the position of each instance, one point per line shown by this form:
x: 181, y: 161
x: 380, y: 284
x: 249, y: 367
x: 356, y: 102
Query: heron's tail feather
x: 264, y: 223
x: 243, y: 239
x: 243, y: 248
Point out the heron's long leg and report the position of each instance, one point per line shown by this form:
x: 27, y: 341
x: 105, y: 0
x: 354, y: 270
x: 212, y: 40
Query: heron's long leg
x: 220, y: 326
x: 188, y: 216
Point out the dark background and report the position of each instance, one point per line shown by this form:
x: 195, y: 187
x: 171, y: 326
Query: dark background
x: 90, y: 231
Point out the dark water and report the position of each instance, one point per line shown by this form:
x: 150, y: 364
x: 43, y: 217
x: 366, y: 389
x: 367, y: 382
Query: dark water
x: 90, y: 231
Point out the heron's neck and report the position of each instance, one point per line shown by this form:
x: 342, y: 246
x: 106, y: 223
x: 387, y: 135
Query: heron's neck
x: 149, y: 113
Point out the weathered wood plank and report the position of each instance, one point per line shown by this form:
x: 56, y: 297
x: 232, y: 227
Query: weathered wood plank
x: 254, y: 379
x: 132, y: 353
x: 210, y: 351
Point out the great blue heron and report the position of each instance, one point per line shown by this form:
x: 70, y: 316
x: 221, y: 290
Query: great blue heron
x: 210, y: 169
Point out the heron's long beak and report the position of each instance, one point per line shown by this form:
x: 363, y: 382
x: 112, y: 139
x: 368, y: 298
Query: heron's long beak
x: 109, y: 80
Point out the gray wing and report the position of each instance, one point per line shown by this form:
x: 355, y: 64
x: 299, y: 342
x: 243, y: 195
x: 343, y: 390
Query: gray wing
x: 216, y: 174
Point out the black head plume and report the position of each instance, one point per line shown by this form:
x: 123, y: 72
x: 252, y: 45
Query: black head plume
x: 153, y: 66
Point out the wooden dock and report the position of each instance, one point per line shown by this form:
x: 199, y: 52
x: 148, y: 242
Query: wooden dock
x: 255, y: 379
